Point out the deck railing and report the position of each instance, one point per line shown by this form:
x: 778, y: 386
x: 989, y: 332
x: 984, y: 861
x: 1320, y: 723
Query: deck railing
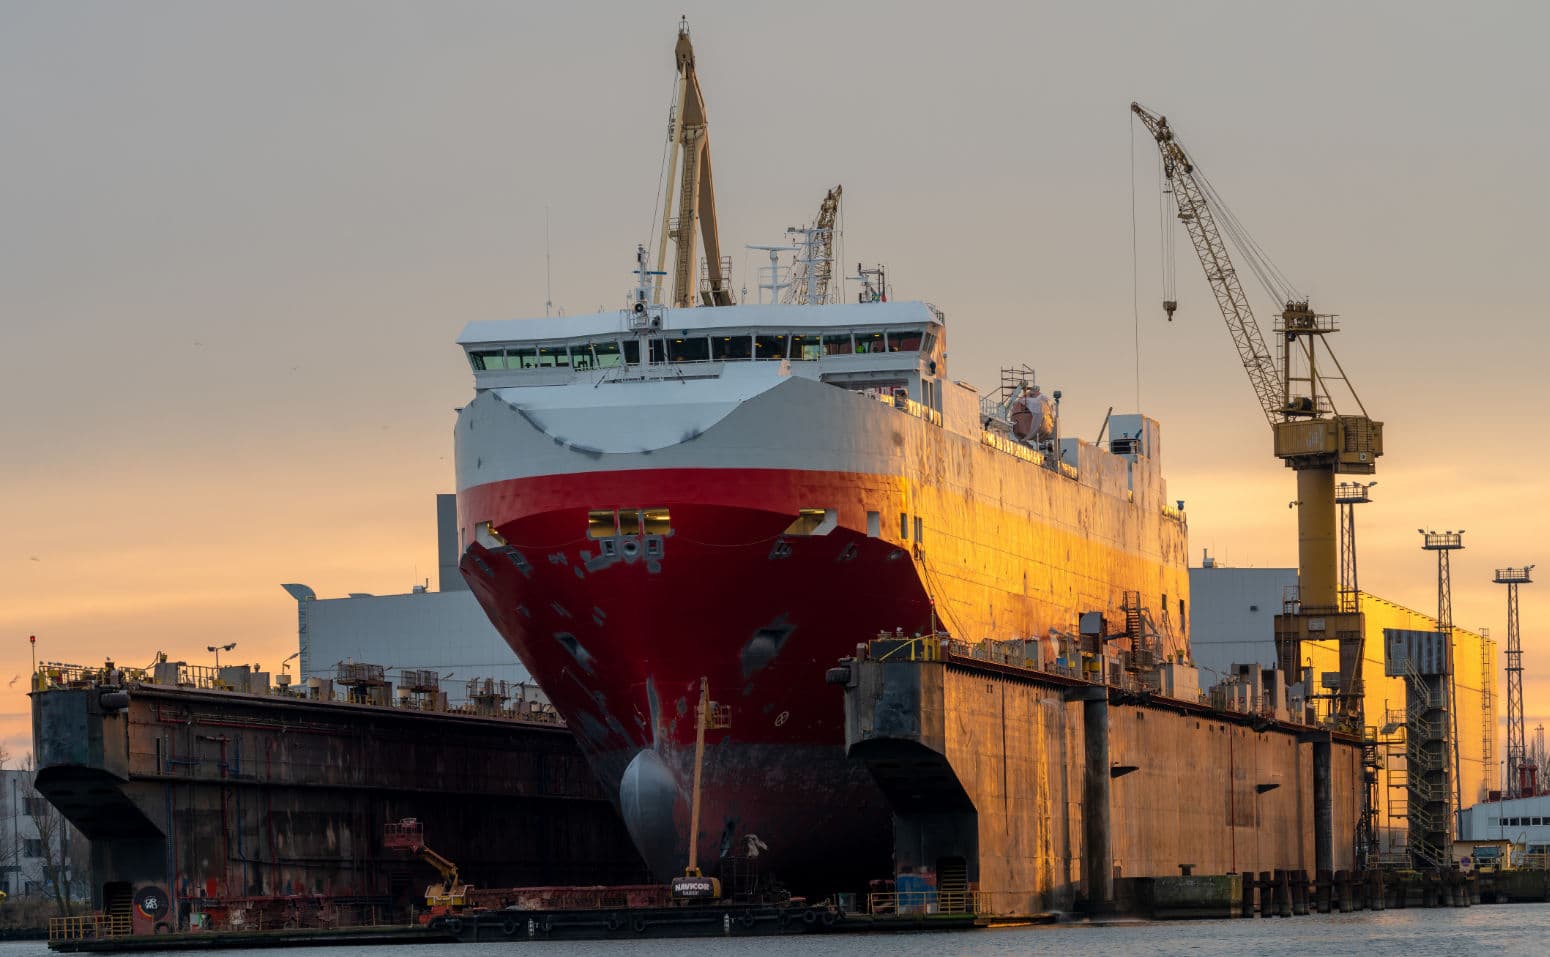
x: 88, y: 927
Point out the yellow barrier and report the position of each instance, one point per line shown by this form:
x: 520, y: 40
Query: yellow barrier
x: 87, y: 927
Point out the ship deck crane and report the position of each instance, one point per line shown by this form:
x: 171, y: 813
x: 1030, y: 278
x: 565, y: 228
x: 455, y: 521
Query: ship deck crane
x: 688, y: 139
x: 1311, y: 436
x: 814, y: 268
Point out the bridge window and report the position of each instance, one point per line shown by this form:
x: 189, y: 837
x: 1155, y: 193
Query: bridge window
x: 837, y: 344
x: 904, y: 340
x: 806, y: 348
x: 521, y: 357
x: 607, y: 354
x: 632, y: 351
x: 690, y: 349
x: 870, y: 342
x: 550, y: 357
x: 770, y: 347
x: 485, y: 361
x: 732, y: 347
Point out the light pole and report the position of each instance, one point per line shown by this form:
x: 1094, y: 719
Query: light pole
x: 218, y: 649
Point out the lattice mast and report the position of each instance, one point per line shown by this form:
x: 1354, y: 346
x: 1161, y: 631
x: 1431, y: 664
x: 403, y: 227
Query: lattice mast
x: 1353, y: 647
x: 1311, y: 436
x: 689, y: 181
x: 1517, y: 751
x: 813, y: 270
x: 1445, y: 544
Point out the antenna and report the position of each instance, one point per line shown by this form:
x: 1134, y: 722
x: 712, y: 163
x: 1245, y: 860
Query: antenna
x: 548, y: 270
x: 775, y: 286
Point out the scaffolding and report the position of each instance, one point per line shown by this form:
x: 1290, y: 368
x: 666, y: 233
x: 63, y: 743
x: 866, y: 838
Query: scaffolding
x: 1423, y: 660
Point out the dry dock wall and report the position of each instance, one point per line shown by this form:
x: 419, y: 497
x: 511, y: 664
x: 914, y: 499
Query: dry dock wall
x: 988, y: 771
x: 212, y: 796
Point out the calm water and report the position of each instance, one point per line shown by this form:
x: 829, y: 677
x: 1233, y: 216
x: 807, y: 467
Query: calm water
x: 1499, y: 931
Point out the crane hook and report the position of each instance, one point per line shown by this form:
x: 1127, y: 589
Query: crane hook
x: 1169, y: 306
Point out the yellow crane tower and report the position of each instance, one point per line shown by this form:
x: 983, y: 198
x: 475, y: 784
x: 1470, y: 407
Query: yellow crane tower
x: 1314, y: 438
x: 688, y: 140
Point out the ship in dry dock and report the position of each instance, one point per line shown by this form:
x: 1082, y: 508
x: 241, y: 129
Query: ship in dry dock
x: 687, y: 488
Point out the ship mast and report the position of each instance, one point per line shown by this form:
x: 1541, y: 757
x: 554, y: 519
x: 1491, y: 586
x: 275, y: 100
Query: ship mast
x: 689, y: 146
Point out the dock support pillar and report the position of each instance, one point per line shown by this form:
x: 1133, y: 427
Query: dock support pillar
x: 1097, y: 856
x: 1323, y: 807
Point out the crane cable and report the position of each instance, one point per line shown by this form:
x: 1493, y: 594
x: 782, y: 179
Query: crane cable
x: 1135, y: 282
x: 667, y: 145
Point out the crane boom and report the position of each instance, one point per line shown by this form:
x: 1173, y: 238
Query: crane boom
x: 1212, y: 252
x: 689, y: 141
x: 815, y: 262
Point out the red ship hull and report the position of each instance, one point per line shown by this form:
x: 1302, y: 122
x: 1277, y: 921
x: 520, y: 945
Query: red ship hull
x: 621, y: 642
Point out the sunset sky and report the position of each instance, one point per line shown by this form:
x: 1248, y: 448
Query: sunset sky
x: 238, y: 240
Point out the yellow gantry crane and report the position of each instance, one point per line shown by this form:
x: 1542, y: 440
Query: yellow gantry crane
x: 1314, y: 438
x: 689, y: 144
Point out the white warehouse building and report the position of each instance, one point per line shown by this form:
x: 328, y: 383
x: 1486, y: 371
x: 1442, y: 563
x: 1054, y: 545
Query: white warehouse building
x: 1523, y: 821
x: 444, y: 631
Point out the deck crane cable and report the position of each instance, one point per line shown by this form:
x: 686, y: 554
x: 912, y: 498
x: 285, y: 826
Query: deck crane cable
x: 667, y: 144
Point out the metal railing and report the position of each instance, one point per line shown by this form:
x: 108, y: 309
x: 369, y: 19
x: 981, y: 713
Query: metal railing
x: 88, y: 927
x: 930, y: 901
x: 905, y: 404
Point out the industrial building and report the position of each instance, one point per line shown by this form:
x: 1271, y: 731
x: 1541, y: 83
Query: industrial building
x: 34, y: 838
x: 1234, y: 610
x: 444, y: 631
x: 1523, y: 821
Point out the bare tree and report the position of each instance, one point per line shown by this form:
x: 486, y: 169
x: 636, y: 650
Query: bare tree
x: 53, y: 839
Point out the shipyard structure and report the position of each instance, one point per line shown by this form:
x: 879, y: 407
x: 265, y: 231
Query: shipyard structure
x: 1232, y: 624
x: 822, y: 619
x: 215, y: 800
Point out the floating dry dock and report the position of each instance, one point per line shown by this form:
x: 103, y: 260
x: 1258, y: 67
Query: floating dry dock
x: 248, y: 812
x: 1046, y: 792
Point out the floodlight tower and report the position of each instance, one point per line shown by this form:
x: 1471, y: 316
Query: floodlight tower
x: 1516, y: 752
x: 1444, y: 544
x: 1348, y: 495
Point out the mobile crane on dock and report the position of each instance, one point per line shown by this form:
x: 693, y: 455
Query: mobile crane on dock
x: 1311, y: 435
x: 451, y: 894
